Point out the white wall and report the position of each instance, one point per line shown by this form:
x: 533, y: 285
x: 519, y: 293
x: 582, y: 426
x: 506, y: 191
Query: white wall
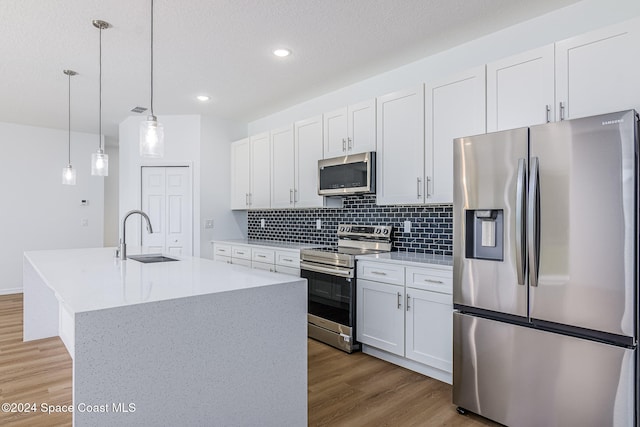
x: 567, y: 22
x: 215, y: 176
x: 202, y: 144
x: 111, y: 194
x: 38, y: 212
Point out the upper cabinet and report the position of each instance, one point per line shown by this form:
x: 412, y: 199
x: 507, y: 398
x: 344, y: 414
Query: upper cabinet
x: 454, y: 107
x: 260, y: 171
x: 597, y: 72
x: 295, y: 151
x: 282, y: 167
x: 400, y: 158
x: 350, y: 130
x: 240, y: 183
x: 308, y: 150
x: 520, y: 90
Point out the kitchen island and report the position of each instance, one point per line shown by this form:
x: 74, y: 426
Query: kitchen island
x: 186, y: 342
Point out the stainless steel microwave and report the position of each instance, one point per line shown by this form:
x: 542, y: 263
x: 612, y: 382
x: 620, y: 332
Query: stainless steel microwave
x: 353, y: 174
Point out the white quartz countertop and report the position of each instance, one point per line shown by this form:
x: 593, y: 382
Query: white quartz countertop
x: 410, y: 258
x: 272, y: 244
x: 93, y: 279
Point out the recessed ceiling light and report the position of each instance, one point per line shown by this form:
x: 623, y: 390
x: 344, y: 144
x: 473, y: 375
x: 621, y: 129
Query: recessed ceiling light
x: 282, y: 52
x: 203, y: 98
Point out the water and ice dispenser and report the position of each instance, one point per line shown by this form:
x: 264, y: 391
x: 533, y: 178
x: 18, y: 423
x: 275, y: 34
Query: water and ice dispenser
x: 484, y: 234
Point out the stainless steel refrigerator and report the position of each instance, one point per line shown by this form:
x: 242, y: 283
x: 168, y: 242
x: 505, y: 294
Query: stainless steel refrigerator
x: 546, y: 273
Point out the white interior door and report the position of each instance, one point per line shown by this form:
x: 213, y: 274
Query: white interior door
x: 166, y: 198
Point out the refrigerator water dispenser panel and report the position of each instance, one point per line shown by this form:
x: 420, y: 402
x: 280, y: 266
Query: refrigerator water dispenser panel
x: 484, y: 234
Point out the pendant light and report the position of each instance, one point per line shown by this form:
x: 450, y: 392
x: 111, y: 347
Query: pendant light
x: 68, y: 172
x: 151, y: 132
x: 99, y: 159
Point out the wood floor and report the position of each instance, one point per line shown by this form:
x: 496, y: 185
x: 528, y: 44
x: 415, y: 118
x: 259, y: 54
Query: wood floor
x: 344, y: 389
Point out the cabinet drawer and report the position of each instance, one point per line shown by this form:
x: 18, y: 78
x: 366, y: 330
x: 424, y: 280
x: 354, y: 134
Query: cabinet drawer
x: 262, y: 266
x: 242, y: 252
x: 430, y: 279
x: 222, y: 258
x: 221, y: 250
x: 288, y: 270
x: 381, y: 272
x: 288, y: 259
x: 241, y: 261
x: 262, y: 255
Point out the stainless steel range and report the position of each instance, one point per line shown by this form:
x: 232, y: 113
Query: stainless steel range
x: 331, y: 276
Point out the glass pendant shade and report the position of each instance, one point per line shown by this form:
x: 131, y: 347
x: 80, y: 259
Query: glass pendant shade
x: 68, y: 175
x: 151, y: 138
x: 99, y: 163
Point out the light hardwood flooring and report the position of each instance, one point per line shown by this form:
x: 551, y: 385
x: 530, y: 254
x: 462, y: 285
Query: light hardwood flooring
x: 344, y: 389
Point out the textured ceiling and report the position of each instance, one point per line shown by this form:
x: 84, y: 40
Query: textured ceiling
x: 221, y: 48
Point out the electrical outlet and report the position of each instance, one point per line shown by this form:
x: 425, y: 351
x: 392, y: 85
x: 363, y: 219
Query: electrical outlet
x: 407, y: 226
x: 208, y: 223
x: 318, y: 224
x: 262, y: 223
x: 84, y: 222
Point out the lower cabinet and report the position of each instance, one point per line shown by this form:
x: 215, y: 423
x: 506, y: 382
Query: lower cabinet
x: 409, y: 324
x: 258, y: 257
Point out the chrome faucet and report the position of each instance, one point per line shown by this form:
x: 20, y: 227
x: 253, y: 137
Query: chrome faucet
x: 122, y: 250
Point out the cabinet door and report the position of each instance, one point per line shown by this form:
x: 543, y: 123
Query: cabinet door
x: 362, y: 127
x: 521, y: 90
x: 400, y: 160
x: 455, y: 107
x: 240, y: 183
x: 260, y: 194
x: 335, y: 133
x: 282, y: 167
x: 308, y: 150
x: 380, y: 315
x: 429, y: 337
x: 597, y: 72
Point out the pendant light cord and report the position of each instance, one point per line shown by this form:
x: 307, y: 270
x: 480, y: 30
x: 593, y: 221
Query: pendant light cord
x: 100, y: 96
x: 69, y: 141
x: 152, y: 57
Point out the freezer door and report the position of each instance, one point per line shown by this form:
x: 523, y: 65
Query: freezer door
x: 582, y: 271
x: 519, y: 376
x: 489, y: 194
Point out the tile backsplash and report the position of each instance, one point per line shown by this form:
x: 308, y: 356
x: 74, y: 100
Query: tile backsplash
x: 431, y: 225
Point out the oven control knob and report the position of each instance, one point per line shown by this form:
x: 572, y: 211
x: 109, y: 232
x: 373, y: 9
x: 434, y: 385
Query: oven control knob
x: 341, y: 228
x: 348, y: 229
x: 386, y: 231
x: 377, y: 231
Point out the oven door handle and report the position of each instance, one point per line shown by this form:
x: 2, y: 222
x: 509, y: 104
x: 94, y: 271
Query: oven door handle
x: 334, y: 271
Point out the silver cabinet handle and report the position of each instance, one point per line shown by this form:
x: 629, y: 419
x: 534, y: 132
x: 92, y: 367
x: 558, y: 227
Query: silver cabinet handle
x: 399, y: 300
x: 548, y: 112
x: 287, y: 259
x: 344, y: 144
x: 533, y: 229
x: 291, y: 196
x: 260, y: 256
x: 419, y: 181
x: 295, y: 196
x: 349, y: 143
x: 408, y: 298
x: 437, y: 282
x: 520, y: 223
x: 562, y: 111
x: 427, y: 187
x: 380, y: 273
x: 240, y: 253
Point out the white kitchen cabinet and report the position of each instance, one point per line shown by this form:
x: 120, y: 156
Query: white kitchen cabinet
x: 240, y: 172
x: 429, y: 328
x: 350, y: 130
x: 380, y: 315
x: 597, y: 72
x: 286, y: 261
x: 405, y: 315
x: 260, y: 176
x: 308, y: 150
x: 521, y: 90
x: 400, y: 159
x: 454, y: 107
x: 282, y: 167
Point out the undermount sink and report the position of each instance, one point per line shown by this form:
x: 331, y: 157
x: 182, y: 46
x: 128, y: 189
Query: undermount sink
x: 149, y: 258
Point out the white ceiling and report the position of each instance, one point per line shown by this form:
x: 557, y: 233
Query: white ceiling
x: 221, y: 48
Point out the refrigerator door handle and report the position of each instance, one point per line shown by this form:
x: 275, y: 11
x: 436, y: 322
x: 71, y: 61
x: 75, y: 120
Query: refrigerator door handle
x: 533, y: 222
x: 520, y: 222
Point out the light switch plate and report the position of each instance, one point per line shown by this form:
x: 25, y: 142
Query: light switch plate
x: 208, y: 223
x: 318, y: 224
x: 262, y: 223
x: 407, y: 226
